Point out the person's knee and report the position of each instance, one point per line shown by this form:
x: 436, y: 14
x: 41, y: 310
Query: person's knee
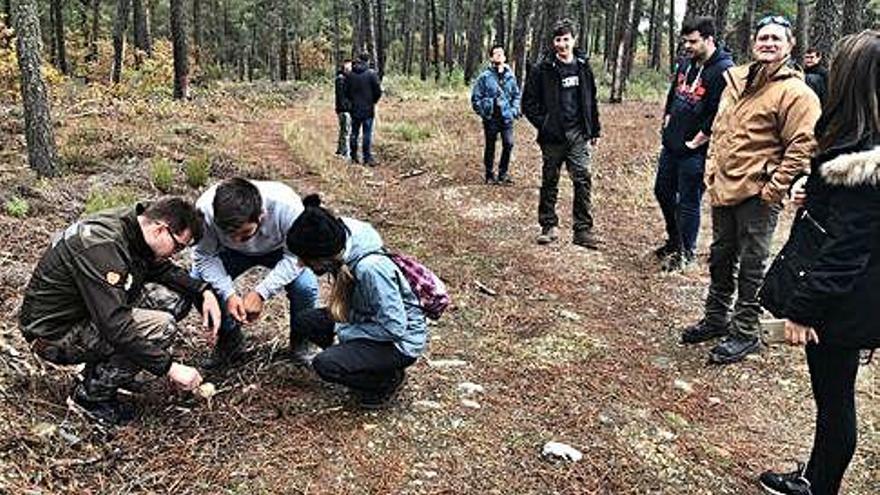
x: 327, y: 367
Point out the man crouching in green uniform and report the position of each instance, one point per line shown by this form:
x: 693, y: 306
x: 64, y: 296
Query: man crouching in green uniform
x: 86, y: 301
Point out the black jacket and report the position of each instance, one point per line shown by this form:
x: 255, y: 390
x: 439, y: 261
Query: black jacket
x: 363, y: 91
x: 541, y: 103
x: 343, y: 104
x: 840, y: 296
x: 692, y: 102
x: 816, y: 78
x: 96, y: 271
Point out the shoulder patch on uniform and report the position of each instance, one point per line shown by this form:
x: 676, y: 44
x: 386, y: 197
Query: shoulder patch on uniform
x: 113, y: 278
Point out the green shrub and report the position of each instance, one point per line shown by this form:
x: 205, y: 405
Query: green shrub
x: 102, y: 200
x: 162, y: 175
x: 17, y: 207
x: 410, y: 132
x: 197, y: 171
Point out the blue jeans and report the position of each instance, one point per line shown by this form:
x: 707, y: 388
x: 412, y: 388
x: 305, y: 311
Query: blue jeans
x: 679, y: 190
x: 356, y: 125
x: 491, y: 129
x: 302, y: 292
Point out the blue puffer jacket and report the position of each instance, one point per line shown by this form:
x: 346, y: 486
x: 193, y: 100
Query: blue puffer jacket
x: 490, y: 87
x: 383, y: 307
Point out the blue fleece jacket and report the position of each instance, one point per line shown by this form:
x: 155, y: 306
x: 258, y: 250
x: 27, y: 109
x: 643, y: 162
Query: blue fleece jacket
x: 492, y: 88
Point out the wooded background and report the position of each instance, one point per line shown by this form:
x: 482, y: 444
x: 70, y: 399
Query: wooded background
x: 434, y: 39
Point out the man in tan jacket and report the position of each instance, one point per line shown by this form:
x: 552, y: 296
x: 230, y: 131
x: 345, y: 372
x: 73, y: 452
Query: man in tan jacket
x: 762, y: 137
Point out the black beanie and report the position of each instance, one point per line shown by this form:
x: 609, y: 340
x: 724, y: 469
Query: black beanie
x: 316, y: 233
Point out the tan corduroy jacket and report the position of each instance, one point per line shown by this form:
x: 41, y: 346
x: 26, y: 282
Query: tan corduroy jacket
x: 763, y: 134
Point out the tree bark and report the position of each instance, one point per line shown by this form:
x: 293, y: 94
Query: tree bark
x: 623, y: 37
x: 425, y: 36
x: 633, y: 41
x: 500, y: 28
x: 380, y: 38
x: 853, y: 12
x: 475, y: 40
x: 825, y: 25
x: 178, y: 42
x: 449, y: 37
x: 520, y: 31
x: 142, y: 38
x: 610, y: 29
x: 119, y: 27
x: 673, y: 39
x: 58, y: 27
x: 42, y: 154
x: 92, y: 52
x: 745, y: 30
x: 800, y: 31
x: 435, y: 40
x: 196, y: 30
x: 409, y: 7
x: 721, y: 10
x: 656, y: 45
x: 696, y: 8
x: 284, y: 34
x: 369, y: 33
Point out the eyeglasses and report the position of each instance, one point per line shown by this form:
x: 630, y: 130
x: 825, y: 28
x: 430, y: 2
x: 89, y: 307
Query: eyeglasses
x: 178, y: 246
x: 773, y: 19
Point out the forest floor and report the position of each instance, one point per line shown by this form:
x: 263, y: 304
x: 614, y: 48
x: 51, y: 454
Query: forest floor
x: 568, y: 345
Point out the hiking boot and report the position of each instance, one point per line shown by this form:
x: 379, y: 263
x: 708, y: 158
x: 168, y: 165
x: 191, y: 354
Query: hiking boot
x: 229, y: 349
x: 734, y: 348
x: 378, y: 400
x: 666, y: 249
x: 701, y: 332
x: 505, y: 180
x: 548, y: 235
x: 678, y: 261
x: 792, y: 483
x: 585, y: 238
x: 104, y: 412
x: 490, y: 180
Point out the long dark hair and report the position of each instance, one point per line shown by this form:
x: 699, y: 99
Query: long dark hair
x: 850, y: 116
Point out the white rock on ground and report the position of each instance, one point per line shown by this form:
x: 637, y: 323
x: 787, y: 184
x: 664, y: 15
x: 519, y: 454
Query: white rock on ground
x: 446, y: 363
x: 470, y: 403
x: 469, y: 388
x: 561, y: 450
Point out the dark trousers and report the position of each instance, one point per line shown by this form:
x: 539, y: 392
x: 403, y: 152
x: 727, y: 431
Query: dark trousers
x: 741, y: 236
x: 491, y: 129
x: 366, y: 366
x: 302, y: 293
x: 366, y: 125
x: 833, y: 376
x: 575, y: 153
x: 679, y: 190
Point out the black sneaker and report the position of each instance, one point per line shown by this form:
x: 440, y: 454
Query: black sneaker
x: 585, y: 238
x: 230, y: 348
x: 678, y: 261
x: 378, y: 400
x: 793, y: 483
x: 701, y: 332
x: 666, y: 249
x: 734, y: 348
x: 105, y: 412
x: 490, y: 180
x: 505, y: 180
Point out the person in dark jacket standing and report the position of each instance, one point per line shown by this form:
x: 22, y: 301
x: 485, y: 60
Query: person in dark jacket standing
x: 86, y: 301
x: 816, y: 76
x: 687, y: 125
x: 343, y: 110
x: 834, y: 309
x: 495, y: 98
x: 560, y: 101
x: 363, y: 91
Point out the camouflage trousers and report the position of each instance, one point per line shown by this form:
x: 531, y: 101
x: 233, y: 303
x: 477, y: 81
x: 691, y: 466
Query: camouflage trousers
x: 106, y: 369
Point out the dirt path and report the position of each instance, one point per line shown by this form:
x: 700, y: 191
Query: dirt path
x: 568, y: 345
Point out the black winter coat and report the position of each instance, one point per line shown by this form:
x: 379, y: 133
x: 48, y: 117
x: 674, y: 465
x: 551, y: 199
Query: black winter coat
x: 343, y: 104
x: 541, y: 99
x: 363, y: 91
x: 840, y: 296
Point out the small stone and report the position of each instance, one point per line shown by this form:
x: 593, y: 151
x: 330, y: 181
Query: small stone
x: 569, y: 315
x: 714, y: 401
x: 44, y: 429
x: 683, y: 386
x: 370, y: 426
x: 427, y: 405
x: 470, y: 404
x: 562, y: 451
x: 430, y: 474
x: 206, y: 390
x: 605, y: 419
x: 469, y: 388
x: 446, y: 363
x: 666, y: 436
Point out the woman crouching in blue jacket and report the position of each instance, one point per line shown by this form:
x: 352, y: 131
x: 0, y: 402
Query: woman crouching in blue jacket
x: 371, y: 309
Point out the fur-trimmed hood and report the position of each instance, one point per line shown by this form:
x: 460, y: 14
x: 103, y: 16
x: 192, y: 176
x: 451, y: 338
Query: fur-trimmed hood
x: 861, y: 168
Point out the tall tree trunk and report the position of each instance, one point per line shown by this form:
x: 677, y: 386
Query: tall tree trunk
x: 500, y: 29
x: 800, y: 31
x: 656, y: 45
x: 426, y: 41
x: 92, y: 53
x: 520, y: 32
x: 369, y: 33
x: 196, y: 31
x: 652, y: 20
x: 119, y: 27
x: 449, y: 36
x: 721, y: 9
x: 337, y: 42
x: 696, y: 8
x: 853, y: 12
x: 409, y: 7
x: 825, y: 25
x: 284, y: 34
x: 673, y: 39
x: 623, y: 37
x: 178, y: 42
x: 42, y: 154
x: 357, y: 29
x: 142, y: 28
x: 380, y: 38
x: 610, y: 29
x: 435, y: 40
x: 58, y: 27
x: 633, y: 42
x: 745, y: 31
x: 475, y: 40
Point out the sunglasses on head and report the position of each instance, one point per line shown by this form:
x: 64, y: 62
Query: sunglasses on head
x: 773, y: 19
